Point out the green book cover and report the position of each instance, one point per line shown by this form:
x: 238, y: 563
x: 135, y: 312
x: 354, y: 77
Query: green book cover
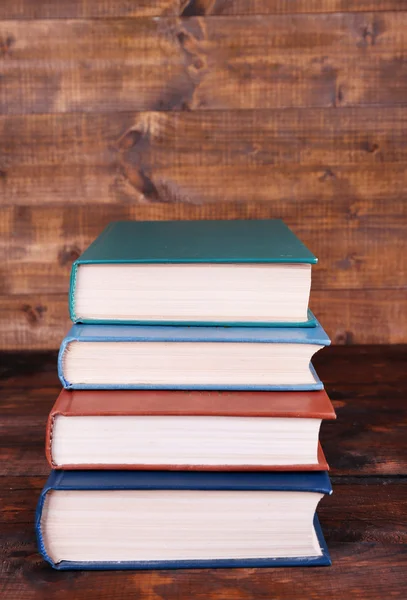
x: 177, y: 242
x: 258, y: 241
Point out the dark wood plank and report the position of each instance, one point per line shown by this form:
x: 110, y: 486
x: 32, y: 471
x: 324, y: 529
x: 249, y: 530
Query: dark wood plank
x: 259, y: 7
x: 314, y: 136
x: 273, y: 137
x: 30, y: 373
x: 102, y: 9
x: 360, y: 366
x: 172, y: 157
x: 361, y: 571
x: 80, y: 9
x: 26, y: 459
x: 33, y: 322
x: 260, y: 183
x: 191, y: 63
x: 362, y: 316
x: 223, y: 184
x: 369, y: 435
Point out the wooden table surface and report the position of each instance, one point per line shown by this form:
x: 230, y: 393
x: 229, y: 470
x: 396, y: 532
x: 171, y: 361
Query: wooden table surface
x: 364, y: 521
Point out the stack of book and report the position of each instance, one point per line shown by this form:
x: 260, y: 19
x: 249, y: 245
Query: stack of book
x: 187, y: 432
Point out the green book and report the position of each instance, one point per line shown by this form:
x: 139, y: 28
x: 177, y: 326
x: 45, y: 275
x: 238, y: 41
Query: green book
x: 234, y: 273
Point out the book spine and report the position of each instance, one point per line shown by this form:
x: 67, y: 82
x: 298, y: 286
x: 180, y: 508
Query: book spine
x: 49, y: 437
x: 234, y: 563
x: 72, y: 291
x: 61, y: 353
x: 52, y: 482
x: 62, y: 406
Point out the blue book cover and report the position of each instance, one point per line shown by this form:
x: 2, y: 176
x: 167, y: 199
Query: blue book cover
x: 317, y: 482
x: 138, y: 333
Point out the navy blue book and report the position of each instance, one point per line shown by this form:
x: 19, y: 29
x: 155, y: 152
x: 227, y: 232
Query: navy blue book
x: 206, y: 358
x: 185, y: 519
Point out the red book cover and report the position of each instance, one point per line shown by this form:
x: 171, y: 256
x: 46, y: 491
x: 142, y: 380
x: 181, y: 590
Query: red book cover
x: 195, y: 403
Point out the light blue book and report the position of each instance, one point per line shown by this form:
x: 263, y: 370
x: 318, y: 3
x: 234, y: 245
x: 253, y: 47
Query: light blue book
x: 207, y: 358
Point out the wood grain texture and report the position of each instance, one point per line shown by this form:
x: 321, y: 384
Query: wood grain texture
x: 331, y: 60
x: 177, y: 109
x: 37, y: 322
x: 312, y: 137
x: 79, y: 9
x: 264, y: 7
x: 363, y: 521
x: 101, y: 9
x: 361, y: 571
x: 128, y: 184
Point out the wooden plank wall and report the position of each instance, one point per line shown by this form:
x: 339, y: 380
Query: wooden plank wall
x: 195, y: 109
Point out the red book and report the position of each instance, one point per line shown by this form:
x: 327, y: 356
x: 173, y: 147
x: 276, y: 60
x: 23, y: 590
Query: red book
x: 187, y: 430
